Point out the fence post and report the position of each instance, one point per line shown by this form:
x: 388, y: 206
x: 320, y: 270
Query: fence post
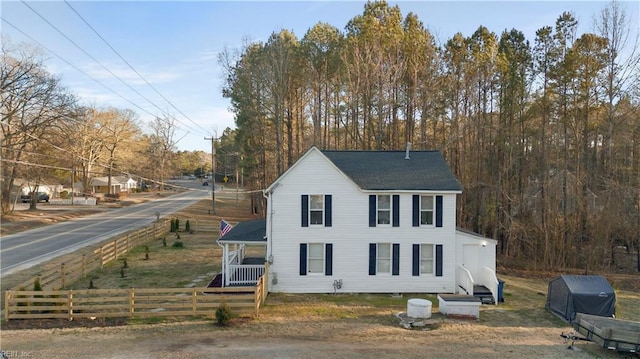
x: 84, y: 265
x: 70, y: 304
x: 131, y: 302
x: 62, y: 276
x: 115, y: 249
x: 7, y: 299
x: 256, y: 298
x: 194, y: 301
x: 101, y: 257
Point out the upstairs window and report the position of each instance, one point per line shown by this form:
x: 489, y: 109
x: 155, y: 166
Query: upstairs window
x: 426, y: 210
x: 316, y: 209
x: 384, y: 209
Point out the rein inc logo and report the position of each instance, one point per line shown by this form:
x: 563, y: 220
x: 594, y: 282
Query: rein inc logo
x: 6, y: 354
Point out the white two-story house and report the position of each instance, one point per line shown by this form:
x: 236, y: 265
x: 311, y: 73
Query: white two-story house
x: 368, y: 222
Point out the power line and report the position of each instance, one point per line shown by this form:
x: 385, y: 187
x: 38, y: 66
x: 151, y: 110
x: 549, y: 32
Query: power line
x: 91, y: 57
x: 77, y: 68
x: 130, y: 66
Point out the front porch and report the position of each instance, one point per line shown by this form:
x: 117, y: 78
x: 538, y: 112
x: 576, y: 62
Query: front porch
x: 243, y: 255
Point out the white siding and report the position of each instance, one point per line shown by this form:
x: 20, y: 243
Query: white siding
x: 350, y: 235
x: 485, y: 250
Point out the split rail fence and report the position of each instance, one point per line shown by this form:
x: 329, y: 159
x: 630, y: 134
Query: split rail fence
x: 150, y: 302
x: 65, y: 273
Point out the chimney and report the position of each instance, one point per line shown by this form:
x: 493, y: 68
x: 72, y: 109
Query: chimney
x: 406, y: 156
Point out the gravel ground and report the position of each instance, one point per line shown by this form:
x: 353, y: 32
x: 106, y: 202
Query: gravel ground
x: 279, y: 338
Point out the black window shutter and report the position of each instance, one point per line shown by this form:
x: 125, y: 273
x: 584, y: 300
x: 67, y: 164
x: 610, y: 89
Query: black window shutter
x: 372, y: 259
x: 305, y: 210
x: 327, y: 210
x: 396, y: 259
x: 303, y: 259
x: 396, y: 210
x: 438, y: 211
x: 438, y: 260
x: 372, y: 210
x: 328, y: 262
x: 416, y: 260
x: 416, y: 210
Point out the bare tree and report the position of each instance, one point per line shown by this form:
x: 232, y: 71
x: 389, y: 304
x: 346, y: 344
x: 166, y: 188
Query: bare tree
x: 119, y: 127
x: 31, y: 102
x: 162, y: 145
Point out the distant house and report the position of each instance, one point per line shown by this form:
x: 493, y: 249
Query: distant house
x: 129, y: 185
x: 363, y: 222
x: 101, y: 185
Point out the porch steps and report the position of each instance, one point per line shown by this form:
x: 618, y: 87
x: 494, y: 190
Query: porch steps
x: 482, y: 292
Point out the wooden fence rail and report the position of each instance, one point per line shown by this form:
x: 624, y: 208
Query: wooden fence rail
x: 151, y: 302
x: 66, y: 273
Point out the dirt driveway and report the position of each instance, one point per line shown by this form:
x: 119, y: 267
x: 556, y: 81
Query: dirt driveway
x: 276, y: 337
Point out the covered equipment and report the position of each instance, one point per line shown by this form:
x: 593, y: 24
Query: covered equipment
x: 589, y: 294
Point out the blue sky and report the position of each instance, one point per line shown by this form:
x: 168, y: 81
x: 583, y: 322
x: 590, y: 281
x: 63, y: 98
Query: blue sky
x: 174, y: 44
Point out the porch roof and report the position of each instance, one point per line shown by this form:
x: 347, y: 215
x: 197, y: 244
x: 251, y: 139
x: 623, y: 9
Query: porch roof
x: 254, y: 231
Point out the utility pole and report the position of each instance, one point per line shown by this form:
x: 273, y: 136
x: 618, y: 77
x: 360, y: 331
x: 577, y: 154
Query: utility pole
x: 213, y: 172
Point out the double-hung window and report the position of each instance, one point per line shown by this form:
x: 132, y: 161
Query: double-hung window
x: 384, y: 258
x: 384, y: 209
x: 316, y: 209
x: 316, y: 258
x: 427, y: 259
x: 426, y: 210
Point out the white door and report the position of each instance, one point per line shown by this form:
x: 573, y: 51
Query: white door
x: 470, y: 259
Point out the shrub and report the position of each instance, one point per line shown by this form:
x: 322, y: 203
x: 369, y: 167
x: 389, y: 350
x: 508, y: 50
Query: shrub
x: 177, y: 244
x: 187, y: 226
x: 36, y: 285
x: 223, y: 314
x: 173, y: 225
x: 64, y: 194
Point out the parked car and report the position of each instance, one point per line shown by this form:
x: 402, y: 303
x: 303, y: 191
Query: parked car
x: 40, y: 197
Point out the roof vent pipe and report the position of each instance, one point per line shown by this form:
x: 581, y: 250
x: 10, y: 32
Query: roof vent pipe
x: 406, y: 157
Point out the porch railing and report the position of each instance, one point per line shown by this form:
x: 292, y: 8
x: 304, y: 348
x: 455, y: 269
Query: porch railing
x: 245, y: 274
x: 464, y: 280
x: 489, y: 279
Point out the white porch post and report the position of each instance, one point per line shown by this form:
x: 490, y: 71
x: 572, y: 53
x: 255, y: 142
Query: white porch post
x: 225, y: 265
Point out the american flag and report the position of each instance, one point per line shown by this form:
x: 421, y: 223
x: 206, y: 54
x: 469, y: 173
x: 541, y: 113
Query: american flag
x: 224, y: 227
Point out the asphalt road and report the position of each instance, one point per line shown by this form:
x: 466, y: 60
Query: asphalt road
x: 26, y: 249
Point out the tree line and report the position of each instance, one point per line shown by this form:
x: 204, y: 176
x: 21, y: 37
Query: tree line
x: 48, y: 137
x: 544, y: 136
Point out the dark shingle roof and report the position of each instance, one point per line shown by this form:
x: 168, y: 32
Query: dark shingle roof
x: 249, y: 231
x: 389, y: 170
